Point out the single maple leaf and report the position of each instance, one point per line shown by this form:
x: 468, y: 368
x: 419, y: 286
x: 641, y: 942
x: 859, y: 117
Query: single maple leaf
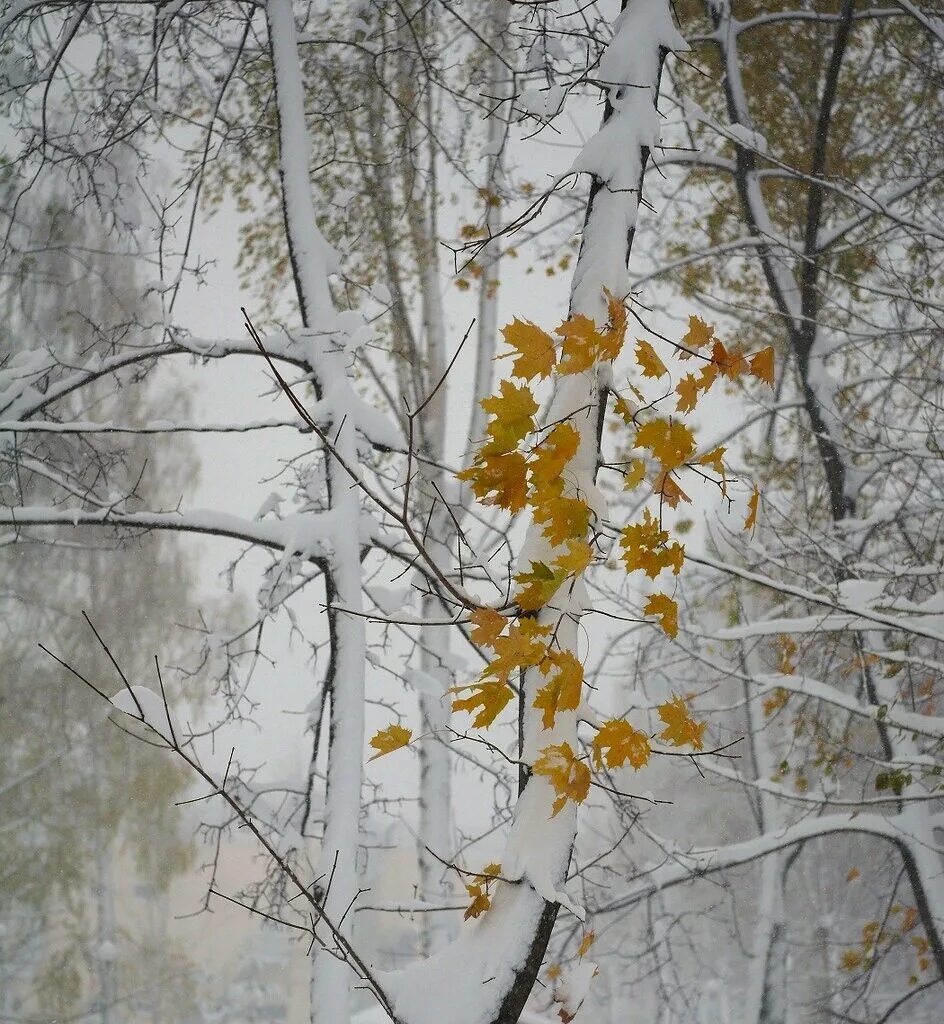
x: 648, y: 360
x: 534, y: 349
x: 538, y: 586
x: 617, y: 742
x: 513, y: 416
x: 489, y: 695
x: 553, y: 453
x: 707, y: 376
x: 499, y: 478
x: 680, y: 727
x: 624, y: 410
x: 562, y: 691
x: 563, y: 519
x: 578, y: 556
x: 553, y: 972
x: 569, y: 776
x: 392, y: 738
x: 523, y: 647
x: 670, y: 442
x: 699, y: 335
x: 762, y: 365
x: 669, y: 490
x: 581, y: 345
x: 687, y: 389
x: 585, y: 943
x: 613, y: 337
x: 635, y: 475
x: 488, y: 626
x: 732, y: 364
x: 667, y: 610
x: 714, y: 460
x: 751, y: 521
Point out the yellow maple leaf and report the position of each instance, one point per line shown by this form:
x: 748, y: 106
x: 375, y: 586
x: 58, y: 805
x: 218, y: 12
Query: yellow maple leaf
x: 635, y: 475
x: 699, y: 335
x: 523, y: 647
x: 534, y: 349
x: 392, y: 738
x: 667, y: 610
x: 687, y: 389
x: 562, y: 691
x: 512, y: 414
x: 617, y: 742
x: 762, y: 365
x: 553, y: 972
x: 624, y: 410
x: 538, y: 586
x: 488, y: 625
x: 585, y: 943
x: 564, y: 518
x: 480, y: 892
x: 648, y: 360
x: 714, y: 460
x: 569, y: 776
x: 670, y: 442
x: 680, y: 728
x: 499, y: 478
x: 578, y: 556
x: 553, y: 454
x: 581, y: 345
x: 489, y: 695
x: 751, y: 521
x: 612, y: 338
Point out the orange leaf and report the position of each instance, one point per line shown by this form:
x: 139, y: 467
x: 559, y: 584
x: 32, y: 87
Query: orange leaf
x: 670, y: 491
x: 534, y: 348
x: 648, y: 360
x: 390, y: 739
x: 667, y: 610
x: 751, y: 520
x: 680, y: 728
x: 489, y: 625
x: 762, y: 365
x: 617, y: 742
x: 611, y: 341
x: 732, y: 364
x: 585, y: 943
x: 499, y: 478
x: 538, y: 586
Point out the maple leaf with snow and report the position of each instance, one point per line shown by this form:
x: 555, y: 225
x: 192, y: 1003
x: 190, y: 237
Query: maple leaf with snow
x: 680, y: 728
x: 569, y: 776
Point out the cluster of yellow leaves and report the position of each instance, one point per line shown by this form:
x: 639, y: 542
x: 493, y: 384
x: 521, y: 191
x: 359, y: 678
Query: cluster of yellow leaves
x: 480, y: 891
x: 878, y: 936
x: 671, y: 445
